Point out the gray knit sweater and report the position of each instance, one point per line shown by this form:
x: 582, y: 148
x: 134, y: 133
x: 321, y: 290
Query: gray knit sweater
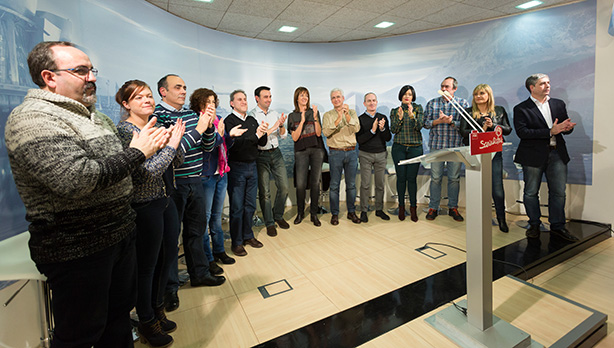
x: 72, y: 174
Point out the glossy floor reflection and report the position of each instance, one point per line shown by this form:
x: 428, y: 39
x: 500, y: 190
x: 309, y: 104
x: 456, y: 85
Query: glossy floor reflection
x: 373, y: 318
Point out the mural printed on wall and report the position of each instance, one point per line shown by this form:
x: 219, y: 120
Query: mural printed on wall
x: 559, y: 42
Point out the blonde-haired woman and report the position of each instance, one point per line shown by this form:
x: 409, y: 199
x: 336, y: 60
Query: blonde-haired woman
x: 488, y: 116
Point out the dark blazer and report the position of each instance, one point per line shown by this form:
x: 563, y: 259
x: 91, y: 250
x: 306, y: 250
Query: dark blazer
x: 534, y: 133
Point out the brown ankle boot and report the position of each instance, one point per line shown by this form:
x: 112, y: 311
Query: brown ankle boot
x: 401, y: 212
x: 152, y: 334
x: 167, y: 325
x: 414, y: 214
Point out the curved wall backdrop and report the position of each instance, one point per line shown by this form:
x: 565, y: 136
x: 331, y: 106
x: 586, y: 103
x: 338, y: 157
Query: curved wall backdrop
x: 128, y: 39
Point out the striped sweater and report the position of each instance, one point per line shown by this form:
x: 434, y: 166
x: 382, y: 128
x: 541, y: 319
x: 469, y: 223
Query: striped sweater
x: 193, y: 143
x: 72, y: 174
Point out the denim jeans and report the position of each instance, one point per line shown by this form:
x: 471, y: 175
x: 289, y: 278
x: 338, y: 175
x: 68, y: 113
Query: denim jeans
x: 215, y: 194
x: 453, y: 184
x: 498, y: 195
x: 93, y: 296
x: 407, y: 174
x: 242, y: 190
x: 343, y: 162
x: 377, y: 161
x: 308, y: 159
x: 190, y: 201
x: 556, y: 176
x: 272, y: 163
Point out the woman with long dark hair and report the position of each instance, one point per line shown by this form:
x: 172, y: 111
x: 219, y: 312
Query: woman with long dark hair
x: 304, y: 125
x: 406, y: 121
x: 156, y: 214
x: 488, y: 116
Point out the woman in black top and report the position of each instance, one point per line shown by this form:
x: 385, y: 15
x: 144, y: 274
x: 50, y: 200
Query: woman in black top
x: 488, y: 116
x: 304, y: 125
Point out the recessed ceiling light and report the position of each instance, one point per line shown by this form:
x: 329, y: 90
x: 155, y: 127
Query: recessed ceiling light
x: 204, y: 0
x: 528, y: 5
x: 287, y: 29
x: 384, y: 25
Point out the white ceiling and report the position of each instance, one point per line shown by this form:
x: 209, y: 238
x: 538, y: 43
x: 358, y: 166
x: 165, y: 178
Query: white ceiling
x: 339, y: 20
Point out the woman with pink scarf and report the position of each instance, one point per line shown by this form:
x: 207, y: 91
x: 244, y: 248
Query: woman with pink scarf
x: 214, y: 178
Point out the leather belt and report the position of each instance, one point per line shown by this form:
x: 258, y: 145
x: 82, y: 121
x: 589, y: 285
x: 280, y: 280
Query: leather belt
x: 352, y: 148
x: 269, y: 150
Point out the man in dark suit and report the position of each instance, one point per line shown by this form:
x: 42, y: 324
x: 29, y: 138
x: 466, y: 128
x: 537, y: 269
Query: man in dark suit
x: 540, y: 123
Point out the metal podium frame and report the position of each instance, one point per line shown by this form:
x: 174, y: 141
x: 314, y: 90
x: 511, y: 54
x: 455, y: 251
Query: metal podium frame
x: 479, y: 328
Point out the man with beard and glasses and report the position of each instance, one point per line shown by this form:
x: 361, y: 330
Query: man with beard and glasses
x: 73, y: 176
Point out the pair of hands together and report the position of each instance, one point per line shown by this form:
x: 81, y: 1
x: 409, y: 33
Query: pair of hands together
x: 152, y: 138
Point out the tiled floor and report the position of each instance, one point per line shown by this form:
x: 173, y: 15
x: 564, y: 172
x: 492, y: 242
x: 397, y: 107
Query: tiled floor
x: 333, y: 268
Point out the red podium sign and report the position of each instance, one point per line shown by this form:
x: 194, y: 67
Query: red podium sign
x: 486, y: 142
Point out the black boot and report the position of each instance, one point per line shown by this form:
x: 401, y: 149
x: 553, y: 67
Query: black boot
x: 166, y: 325
x: 503, y: 225
x: 151, y: 333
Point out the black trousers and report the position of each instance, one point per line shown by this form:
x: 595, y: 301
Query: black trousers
x: 92, y: 297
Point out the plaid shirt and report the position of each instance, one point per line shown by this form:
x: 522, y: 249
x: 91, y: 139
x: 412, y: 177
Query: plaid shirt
x: 443, y: 135
x: 407, y: 130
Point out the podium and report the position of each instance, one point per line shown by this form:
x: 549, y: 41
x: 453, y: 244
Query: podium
x: 479, y: 328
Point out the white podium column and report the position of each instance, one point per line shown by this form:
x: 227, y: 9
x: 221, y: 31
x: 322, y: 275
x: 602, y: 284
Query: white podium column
x: 478, y: 185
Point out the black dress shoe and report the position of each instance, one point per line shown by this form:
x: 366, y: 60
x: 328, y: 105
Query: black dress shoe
x: 215, y: 269
x: 224, y: 258
x: 503, y: 225
x: 171, y: 301
x: 380, y: 214
x: 364, y: 217
x: 533, y: 231
x: 253, y: 242
x: 299, y: 218
x: 315, y: 220
x: 352, y: 216
x: 208, y: 280
x: 282, y: 224
x: 238, y: 250
x: 271, y: 231
x: 563, y: 233
x: 334, y: 220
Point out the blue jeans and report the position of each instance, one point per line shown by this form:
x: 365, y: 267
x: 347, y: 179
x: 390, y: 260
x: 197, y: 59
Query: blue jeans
x: 498, y: 195
x: 242, y: 190
x: 190, y: 201
x: 272, y: 163
x: 343, y: 162
x: 407, y: 174
x: 215, y: 193
x: 556, y: 176
x: 309, y: 159
x: 93, y: 296
x: 453, y: 184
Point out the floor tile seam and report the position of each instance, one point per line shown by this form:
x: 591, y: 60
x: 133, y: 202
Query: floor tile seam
x: 251, y: 325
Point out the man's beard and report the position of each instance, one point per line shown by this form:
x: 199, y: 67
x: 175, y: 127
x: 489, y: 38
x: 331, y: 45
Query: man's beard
x: 89, y: 99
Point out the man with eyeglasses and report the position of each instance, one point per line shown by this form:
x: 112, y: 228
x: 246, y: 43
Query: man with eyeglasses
x: 73, y: 176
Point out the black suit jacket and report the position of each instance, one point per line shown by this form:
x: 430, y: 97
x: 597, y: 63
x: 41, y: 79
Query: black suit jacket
x: 534, y: 133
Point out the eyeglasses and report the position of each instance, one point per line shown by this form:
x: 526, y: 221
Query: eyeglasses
x: 80, y: 70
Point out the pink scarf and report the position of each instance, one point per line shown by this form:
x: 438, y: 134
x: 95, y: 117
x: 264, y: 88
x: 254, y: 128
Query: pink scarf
x: 222, y: 160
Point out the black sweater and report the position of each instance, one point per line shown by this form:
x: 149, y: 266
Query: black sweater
x: 245, y: 147
x: 369, y: 142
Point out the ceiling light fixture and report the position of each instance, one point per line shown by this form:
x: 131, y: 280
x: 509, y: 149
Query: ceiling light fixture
x: 203, y: 0
x: 287, y: 29
x: 384, y: 25
x: 528, y: 5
